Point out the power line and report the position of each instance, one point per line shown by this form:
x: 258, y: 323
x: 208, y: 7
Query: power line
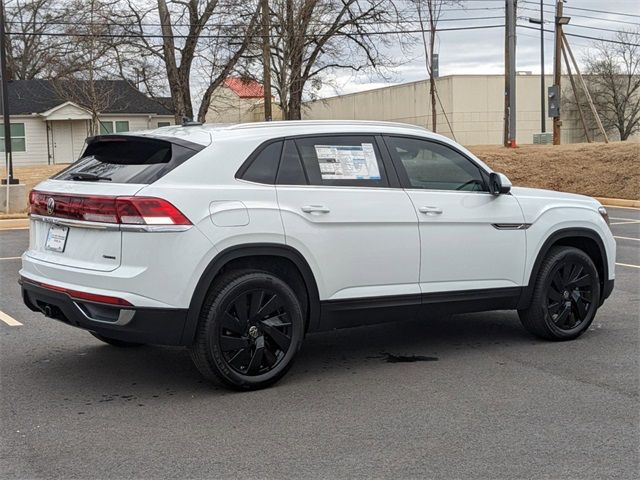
x: 575, y: 15
x: 603, y: 11
x: 238, y: 25
x: 599, y: 39
x: 608, y: 12
x: 229, y: 36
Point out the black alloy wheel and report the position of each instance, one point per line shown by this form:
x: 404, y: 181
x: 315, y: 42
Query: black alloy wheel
x: 255, y: 332
x: 570, y: 295
x: 566, y: 295
x: 250, y: 330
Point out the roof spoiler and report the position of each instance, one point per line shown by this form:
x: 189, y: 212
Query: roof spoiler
x: 145, y: 139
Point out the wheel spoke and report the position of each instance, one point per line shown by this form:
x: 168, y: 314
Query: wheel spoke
x: 566, y: 274
x: 271, y: 306
x: 281, y: 340
x: 554, y: 294
x: 242, y: 308
x: 256, y: 359
x: 554, y: 307
x: 231, y: 323
x: 557, y: 284
x: 270, y: 358
x: 228, y: 343
x: 579, y: 307
x: 277, y: 321
x: 256, y: 301
x: 239, y: 359
x: 563, y: 316
x: 582, y: 281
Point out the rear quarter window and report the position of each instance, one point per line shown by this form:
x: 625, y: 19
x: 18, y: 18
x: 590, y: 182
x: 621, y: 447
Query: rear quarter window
x: 127, y: 159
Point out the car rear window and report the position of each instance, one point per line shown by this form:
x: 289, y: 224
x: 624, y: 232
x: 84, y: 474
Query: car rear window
x: 128, y: 159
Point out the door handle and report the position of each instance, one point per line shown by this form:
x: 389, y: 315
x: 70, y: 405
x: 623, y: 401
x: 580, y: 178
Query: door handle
x: 315, y: 209
x: 430, y: 210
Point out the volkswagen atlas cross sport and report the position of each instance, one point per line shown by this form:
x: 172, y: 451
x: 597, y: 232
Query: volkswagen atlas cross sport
x: 237, y: 240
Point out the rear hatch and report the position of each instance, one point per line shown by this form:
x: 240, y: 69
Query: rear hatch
x: 78, y: 216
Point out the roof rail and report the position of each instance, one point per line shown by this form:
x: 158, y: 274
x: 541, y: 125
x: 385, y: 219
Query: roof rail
x: 288, y: 123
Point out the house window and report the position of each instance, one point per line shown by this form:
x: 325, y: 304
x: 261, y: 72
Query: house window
x: 18, y: 138
x: 122, y: 126
x: 163, y: 124
x: 107, y: 127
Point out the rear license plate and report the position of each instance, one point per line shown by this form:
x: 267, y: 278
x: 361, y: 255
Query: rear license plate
x: 57, y: 238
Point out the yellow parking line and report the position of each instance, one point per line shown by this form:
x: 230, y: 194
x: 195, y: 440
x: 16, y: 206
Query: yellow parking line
x: 10, y: 258
x: 628, y: 238
x: 12, y: 322
x: 628, y: 265
x: 13, y: 228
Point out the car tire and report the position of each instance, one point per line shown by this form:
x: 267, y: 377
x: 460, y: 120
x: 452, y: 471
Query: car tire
x: 250, y: 329
x: 115, y: 342
x: 566, y: 296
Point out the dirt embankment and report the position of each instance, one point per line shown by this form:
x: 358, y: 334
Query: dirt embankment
x: 597, y: 169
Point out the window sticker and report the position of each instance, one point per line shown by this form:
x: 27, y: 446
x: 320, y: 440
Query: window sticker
x: 348, y: 162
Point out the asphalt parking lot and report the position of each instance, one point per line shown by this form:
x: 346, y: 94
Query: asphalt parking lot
x: 490, y: 402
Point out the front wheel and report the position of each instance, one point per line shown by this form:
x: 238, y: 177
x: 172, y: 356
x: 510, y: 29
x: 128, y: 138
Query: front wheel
x: 566, y: 296
x: 250, y: 330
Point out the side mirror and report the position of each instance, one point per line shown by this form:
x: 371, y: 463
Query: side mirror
x: 498, y: 183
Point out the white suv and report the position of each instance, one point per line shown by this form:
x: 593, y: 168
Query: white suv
x: 236, y: 241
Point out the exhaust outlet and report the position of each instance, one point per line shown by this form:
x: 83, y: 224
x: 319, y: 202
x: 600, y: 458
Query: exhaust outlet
x: 47, y: 311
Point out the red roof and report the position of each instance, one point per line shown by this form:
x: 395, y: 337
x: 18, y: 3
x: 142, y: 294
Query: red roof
x: 244, y: 88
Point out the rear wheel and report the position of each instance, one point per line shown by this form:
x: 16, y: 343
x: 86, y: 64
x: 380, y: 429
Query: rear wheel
x: 566, y: 296
x: 115, y: 342
x: 250, y: 329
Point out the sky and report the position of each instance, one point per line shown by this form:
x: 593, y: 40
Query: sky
x: 482, y: 51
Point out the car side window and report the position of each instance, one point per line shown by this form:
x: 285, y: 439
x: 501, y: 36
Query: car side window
x: 434, y: 166
x: 264, y: 166
x: 349, y: 160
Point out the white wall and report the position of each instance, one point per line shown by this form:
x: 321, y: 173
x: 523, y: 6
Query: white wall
x: 474, y: 105
x: 36, y: 135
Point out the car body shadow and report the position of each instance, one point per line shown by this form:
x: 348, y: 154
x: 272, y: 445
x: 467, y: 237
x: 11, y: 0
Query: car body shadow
x: 114, y: 371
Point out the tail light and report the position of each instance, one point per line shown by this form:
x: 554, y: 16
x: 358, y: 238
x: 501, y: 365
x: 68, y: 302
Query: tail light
x: 103, y: 209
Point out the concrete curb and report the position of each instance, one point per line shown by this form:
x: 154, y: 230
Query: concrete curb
x: 14, y: 223
x: 619, y: 202
x: 12, y: 216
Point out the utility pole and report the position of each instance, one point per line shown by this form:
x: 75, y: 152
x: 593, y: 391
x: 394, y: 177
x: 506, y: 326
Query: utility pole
x: 266, y: 60
x: 543, y: 95
x: 5, y: 104
x: 557, y: 71
x: 510, y: 75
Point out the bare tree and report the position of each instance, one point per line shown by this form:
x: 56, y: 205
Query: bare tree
x: 30, y: 53
x: 429, y: 12
x: 94, y: 46
x: 612, y: 75
x: 209, y: 36
x: 313, y: 37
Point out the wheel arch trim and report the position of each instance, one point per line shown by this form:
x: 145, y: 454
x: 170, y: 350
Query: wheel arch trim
x: 552, y: 239
x: 250, y: 250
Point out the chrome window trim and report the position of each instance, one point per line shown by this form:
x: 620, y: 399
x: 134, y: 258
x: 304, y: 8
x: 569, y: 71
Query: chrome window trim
x: 68, y: 222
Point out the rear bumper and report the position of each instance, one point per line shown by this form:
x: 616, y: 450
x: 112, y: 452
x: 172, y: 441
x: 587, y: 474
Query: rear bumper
x: 160, y: 326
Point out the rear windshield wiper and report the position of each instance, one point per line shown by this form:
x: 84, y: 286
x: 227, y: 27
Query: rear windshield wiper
x: 92, y: 177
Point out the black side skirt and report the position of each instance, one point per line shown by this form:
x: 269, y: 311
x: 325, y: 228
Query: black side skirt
x: 366, y: 311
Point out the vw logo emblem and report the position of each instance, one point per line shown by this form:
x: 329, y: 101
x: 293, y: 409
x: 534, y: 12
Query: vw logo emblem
x: 51, y: 206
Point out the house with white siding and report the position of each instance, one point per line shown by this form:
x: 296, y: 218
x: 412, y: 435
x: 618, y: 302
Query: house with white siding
x: 50, y: 125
